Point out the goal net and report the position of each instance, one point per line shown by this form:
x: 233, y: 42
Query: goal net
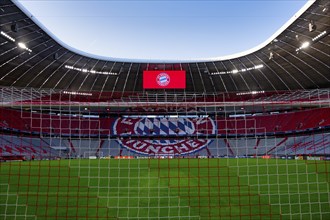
x: 89, y: 155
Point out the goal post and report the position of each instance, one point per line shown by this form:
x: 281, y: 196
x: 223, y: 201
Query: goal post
x: 164, y: 156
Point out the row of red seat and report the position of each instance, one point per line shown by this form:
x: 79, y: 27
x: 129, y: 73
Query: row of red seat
x: 281, y: 122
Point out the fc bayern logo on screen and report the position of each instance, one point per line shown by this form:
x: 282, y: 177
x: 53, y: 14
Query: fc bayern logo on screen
x: 163, y: 79
x: 148, y: 136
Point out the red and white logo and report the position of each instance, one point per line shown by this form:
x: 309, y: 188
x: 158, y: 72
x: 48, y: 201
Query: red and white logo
x: 162, y: 127
x: 163, y: 79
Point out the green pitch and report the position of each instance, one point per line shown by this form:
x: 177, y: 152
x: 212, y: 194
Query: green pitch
x: 165, y: 189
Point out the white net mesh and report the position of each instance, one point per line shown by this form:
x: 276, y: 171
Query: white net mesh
x: 164, y: 156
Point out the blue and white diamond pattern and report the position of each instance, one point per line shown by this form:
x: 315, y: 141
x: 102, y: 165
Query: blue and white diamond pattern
x: 164, y: 126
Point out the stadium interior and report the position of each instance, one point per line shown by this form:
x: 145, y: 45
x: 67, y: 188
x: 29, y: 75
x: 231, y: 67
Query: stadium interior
x: 58, y: 104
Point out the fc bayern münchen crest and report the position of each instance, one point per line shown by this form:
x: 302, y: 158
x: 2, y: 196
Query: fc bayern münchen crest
x: 163, y: 79
x: 163, y: 127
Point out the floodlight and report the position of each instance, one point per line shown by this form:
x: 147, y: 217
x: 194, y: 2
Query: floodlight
x: 7, y: 36
x: 22, y: 45
x: 305, y: 45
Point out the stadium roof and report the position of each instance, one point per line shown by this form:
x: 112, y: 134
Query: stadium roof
x: 137, y: 31
x: 295, y: 58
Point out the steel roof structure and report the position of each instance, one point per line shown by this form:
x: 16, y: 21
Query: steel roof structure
x: 298, y: 58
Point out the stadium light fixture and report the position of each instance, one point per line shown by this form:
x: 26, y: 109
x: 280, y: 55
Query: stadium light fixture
x: 250, y: 93
x: 7, y: 36
x: 258, y: 66
x: 77, y: 93
x: 319, y: 36
x: 20, y: 44
x: 305, y: 45
x: 219, y: 73
x: 23, y: 46
x: 90, y: 70
x: 238, y: 70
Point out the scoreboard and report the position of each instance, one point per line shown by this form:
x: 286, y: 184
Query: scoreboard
x: 164, y: 79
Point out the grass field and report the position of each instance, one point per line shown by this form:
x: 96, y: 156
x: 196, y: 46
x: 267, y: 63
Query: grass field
x: 165, y: 189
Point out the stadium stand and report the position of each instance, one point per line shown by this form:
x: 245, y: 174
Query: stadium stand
x: 247, y: 138
x: 231, y: 124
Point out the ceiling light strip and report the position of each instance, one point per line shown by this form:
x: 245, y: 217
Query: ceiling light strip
x: 90, y: 71
x: 250, y: 93
x: 238, y: 70
x: 7, y: 36
x: 319, y: 36
x: 77, y: 93
x: 23, y: 46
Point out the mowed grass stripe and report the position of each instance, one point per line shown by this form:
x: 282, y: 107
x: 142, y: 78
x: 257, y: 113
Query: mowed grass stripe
x: 176, y: 188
